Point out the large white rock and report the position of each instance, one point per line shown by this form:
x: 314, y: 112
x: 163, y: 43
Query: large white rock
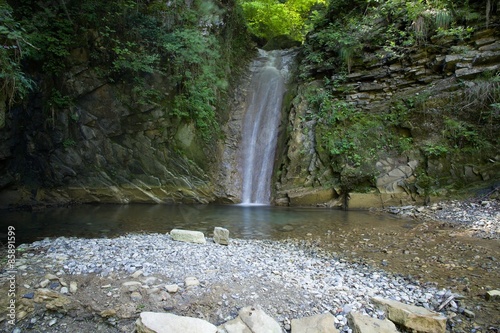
x: 413, y: 317
x: 251, y: 320
x: 365, y: 324
x: 322, y: 323
x: 188, y: 236
x: 155, y: 322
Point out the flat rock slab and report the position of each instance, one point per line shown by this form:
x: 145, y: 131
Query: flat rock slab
x: 365, y: 324
x: 251, y: 320
x: 188, y: 236
x: 413, y: 317
x: 322, y: 323
x: 156, y: 322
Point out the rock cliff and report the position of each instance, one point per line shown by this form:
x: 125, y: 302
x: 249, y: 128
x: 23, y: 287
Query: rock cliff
x: 434, y: 92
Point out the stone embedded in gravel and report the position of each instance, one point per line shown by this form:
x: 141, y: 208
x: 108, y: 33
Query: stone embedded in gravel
x: 136, y: 274
x: 172, y: 288
x: 191, y: 281
x: 73, y: 287
x: 188, y: 236
x: 412, y: 317
x: 493, y: 295
x: 154, y: 322
x: 51, y: 277
x: 108, y: 313
x: 221, y: 236
x: 365, y: 324
x: 135, y: 296
x: 321, y: 323
x: 53, y: 300
x: 131, y: 283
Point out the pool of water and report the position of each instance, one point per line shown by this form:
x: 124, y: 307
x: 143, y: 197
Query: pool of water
x: 250, y: 222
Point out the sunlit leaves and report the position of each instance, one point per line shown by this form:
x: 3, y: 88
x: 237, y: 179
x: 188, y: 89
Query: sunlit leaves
x: 270, y: 18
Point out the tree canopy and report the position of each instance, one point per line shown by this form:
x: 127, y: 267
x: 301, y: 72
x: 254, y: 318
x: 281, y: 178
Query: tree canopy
x: 270, y: 18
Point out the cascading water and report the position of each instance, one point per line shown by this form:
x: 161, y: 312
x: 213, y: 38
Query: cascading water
x: 261, y: 122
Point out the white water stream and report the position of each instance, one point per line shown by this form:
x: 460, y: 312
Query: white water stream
x: 261, y: 123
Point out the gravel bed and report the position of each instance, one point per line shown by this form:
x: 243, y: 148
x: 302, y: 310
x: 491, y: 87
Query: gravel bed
x: 288, y: 279
x: 480, y: 217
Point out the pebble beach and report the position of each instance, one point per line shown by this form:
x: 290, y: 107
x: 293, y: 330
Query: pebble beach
x: 111, y: 280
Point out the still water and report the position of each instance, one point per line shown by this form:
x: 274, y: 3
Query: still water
x: 249, y: 222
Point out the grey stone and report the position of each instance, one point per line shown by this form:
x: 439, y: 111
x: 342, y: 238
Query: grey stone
x: 365, y: 324
x: 412, y: 317
x: 154, y: 322
x: 492, y: 295
x: 172, y: 288
x: 322, y: 323
x: 221, y: 236
x: 191, y: 281
x: 135, y: 296
x: 251, y: 320
x: 188, y: 236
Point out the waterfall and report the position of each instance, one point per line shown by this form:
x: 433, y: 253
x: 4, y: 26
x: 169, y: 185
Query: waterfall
x: 261, y: 122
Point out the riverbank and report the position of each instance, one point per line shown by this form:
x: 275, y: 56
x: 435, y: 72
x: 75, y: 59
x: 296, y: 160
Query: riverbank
x: 103, y: 284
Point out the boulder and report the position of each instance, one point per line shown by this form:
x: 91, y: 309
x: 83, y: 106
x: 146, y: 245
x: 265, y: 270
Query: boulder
x: 322, y: 323
x: 365, y: 324
x: 155, y: 322
x: 251, y: 320
x: 412, y: 317
x: 221, y: 236
x: 188, y: 236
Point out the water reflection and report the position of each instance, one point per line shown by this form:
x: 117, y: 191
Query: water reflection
x: 250, y: 222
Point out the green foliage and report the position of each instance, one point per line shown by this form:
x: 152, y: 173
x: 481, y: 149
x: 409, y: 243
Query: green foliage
x: 184, y: 45
x: 68, y: 143
x: 270, y: 18
x: 435, y: 150
x: 14, y: 46
x: 391, y: 26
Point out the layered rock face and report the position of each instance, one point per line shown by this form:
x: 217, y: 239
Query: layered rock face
x: 102, y: 150
x: 436, y: 76
x: 109, y: 144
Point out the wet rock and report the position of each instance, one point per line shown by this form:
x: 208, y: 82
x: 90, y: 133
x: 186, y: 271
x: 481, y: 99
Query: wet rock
x: 365, y: 324
x: 188, y: 236
x: 412, y: 317
x: 153, y: 322
x: 322, y: 323
x: 221, y: 236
